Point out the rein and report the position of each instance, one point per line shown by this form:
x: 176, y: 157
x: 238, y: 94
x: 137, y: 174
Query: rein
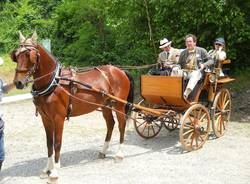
x: 123, y: 67
x: 104, y: 93
x: 92, y: 103
x: 31, y: 71
x: 101, y: 105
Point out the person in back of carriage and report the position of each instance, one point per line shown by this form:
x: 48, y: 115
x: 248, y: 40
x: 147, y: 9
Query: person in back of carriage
x: 3, y: 89
x: 168, y: 58
x: 193, y: 60
x: 218, y: 54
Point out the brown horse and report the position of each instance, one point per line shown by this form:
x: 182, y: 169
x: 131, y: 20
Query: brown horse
x: 57, y: 99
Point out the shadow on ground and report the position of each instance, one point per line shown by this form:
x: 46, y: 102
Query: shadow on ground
x: 165, y: 142
x: 34, y: 167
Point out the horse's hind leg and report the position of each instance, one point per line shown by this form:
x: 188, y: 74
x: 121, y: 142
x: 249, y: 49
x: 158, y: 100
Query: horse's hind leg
x: 122, y: 124
x: 108, y: 116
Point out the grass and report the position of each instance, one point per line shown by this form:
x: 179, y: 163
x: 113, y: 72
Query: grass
x: 7, y: 72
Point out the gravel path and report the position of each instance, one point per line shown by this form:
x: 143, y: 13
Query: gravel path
x: 160, y: 160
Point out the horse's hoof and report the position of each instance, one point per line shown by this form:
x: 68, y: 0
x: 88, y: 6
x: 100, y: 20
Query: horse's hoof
x: 118, y: 159
x: 52, y: 180
x: 44, y: 175
x: 101, y: 155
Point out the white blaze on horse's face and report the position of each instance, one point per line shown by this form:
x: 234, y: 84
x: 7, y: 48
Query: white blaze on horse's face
x: 25, y: 57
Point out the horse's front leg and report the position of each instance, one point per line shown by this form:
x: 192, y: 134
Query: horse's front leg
x: 59, y: 123
x: 49, y: 129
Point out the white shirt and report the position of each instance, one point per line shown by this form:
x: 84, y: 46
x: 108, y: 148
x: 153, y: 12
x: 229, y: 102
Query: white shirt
x: 218, y: 55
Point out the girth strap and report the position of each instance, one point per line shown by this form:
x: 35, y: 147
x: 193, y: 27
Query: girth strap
x: 73, y: 90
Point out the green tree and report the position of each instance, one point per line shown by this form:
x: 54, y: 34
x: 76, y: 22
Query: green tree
x: 95, y: 32
x: 82, y: 34
x: 26, y: 16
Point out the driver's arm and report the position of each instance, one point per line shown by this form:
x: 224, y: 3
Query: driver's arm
x: 208, y: 60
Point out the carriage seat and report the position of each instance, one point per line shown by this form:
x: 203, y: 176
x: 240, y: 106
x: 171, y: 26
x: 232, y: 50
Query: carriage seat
x: 223, y: 71
x: 161, y: 72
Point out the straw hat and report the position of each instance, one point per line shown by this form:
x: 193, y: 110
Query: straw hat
x: 164, y: 43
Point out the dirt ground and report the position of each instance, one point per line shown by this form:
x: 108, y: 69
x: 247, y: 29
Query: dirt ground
x: 159, y: 160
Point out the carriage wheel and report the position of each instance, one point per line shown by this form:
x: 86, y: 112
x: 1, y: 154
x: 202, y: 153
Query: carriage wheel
x: 221, y: 112
x: 195, y: 126
x: 146, y: 125
x: 171, y: 123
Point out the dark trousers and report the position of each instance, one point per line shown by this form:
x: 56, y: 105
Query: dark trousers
x: 1, y: 149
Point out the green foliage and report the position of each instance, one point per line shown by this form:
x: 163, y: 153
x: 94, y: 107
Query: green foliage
x: 82, y: 34
x: 96, y: 32
x: 242, y: 80
x: 26, y: 16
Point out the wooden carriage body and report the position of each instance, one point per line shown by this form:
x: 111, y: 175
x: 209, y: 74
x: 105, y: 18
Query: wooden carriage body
x: 163, y: 90
x: 209, y: 101
x: 168, y: 90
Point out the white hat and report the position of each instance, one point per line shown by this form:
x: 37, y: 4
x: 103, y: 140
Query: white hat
x: 164, y: 43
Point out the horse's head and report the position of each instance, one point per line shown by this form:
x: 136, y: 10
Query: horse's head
x: 27, y: 58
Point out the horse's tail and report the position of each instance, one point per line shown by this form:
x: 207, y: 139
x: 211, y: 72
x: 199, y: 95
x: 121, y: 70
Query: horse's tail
x: 130, y: 97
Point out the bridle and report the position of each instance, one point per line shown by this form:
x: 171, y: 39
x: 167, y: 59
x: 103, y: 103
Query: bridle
x: 32, y: 70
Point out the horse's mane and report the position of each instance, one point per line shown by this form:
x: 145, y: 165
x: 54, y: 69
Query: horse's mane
x: 40, y: 47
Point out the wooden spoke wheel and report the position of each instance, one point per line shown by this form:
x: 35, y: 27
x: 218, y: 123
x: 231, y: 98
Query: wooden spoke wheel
x: 171, y: 123
x: 146, y: 125
x: 195, y: 126
x: 221, y: 112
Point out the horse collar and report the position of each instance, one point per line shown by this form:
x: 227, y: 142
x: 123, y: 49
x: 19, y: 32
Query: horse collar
x: 51, y: 85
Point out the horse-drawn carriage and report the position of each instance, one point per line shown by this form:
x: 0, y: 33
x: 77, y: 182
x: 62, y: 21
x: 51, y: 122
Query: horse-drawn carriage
x: 60, y: 92
x: 208, y: 104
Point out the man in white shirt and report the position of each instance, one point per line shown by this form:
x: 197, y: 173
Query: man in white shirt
x: 192, y: 61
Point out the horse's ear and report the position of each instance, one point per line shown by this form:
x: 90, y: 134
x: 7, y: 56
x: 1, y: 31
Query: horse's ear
x: 34, y: 38
x: 21, y: 37
x: 13, y: 56
x: 33, y: 56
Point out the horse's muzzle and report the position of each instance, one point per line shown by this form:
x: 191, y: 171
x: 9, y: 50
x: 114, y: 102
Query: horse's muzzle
x: 19, y: 84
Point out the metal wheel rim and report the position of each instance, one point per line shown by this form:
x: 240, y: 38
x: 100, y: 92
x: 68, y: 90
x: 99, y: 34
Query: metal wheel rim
x: 221, y: 113
x: 144, y: 128
x: 171, y: 126
x: 195, y: 125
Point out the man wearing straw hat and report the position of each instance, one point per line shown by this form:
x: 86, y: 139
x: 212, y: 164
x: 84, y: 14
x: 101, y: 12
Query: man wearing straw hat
x: 168, y: 57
